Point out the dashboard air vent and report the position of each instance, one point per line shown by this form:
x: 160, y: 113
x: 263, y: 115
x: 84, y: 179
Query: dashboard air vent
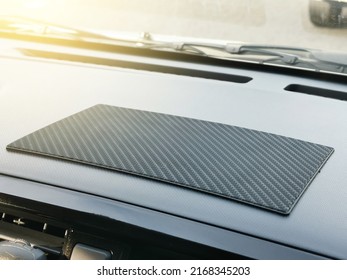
x: 341, y: 95
x: 190, y: 72
x: 33, y: 225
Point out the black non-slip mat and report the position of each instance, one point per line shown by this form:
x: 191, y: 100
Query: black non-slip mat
x: 254, y: 167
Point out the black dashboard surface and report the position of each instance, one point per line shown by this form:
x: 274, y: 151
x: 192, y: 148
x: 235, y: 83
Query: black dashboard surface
x: 36, y: 92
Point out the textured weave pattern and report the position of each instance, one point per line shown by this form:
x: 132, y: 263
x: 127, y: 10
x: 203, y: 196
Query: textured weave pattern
x: 254, y: 167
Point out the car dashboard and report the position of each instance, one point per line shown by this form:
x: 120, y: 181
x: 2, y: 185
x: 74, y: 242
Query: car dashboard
x: 70, y: 210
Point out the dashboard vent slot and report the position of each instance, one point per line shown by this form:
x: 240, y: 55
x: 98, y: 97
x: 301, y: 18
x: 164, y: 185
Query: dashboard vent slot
x: 56, y: 231
x: 340, y: 95
x: 33, y: 225
x: 190, y: 72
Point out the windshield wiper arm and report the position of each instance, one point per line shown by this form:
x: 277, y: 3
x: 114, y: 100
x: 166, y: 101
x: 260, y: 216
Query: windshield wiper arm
x: 291, y: 56
x: 279, y: 52
x: 229, y: 48
x: 28, y: 26
x: 287, y: 55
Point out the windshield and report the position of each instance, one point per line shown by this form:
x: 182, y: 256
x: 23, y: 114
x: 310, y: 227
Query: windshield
x: 313, y: 24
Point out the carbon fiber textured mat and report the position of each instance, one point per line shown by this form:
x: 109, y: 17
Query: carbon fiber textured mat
x: 254, y: 167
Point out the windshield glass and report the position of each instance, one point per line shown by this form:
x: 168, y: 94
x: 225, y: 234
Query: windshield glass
x: 314, y: 24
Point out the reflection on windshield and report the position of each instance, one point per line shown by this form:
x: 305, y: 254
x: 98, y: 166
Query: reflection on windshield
x: 296, y: 23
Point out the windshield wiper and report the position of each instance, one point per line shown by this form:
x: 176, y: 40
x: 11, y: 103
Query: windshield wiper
x: 263, y: 54
x: 274, y: 54
x: 229, y: 48
x: 28, y: 26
